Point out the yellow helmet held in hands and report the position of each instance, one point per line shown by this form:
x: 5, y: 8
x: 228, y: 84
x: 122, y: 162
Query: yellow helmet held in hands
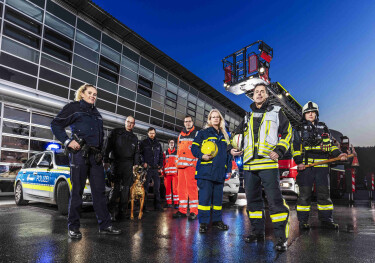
x: 209, y: 148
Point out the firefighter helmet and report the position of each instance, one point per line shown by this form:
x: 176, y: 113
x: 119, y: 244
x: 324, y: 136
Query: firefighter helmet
x: 310, y: 106
x: 237, y: 141
x: 209, y: 148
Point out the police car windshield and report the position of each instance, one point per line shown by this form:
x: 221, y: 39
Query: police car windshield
x: 61, y: 159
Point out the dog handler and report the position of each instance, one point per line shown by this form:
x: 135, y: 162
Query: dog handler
x: 123, y: 143
x: 86, y: 123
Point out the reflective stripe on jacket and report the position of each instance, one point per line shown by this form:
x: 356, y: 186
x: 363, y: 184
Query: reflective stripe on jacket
x: 268, y: 135
x: 170, y: 162
x: 216, y: 168
x: 184, y: 156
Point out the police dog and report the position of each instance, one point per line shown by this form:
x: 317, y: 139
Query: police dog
x: 137, y: 190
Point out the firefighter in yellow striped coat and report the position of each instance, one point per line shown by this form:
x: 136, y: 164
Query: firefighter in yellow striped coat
x: 312, y: 144
x: 262, y: 148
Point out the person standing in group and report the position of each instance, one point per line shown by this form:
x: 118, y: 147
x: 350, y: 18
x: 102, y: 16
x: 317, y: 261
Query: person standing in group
x: 123, y: 144
x: 212, y: 170
x: 312, y: 143
x: 152, y: 159
x: 86, y: 125
x: 262, y: 149
x: 170, y: 175
x: 186, y: 163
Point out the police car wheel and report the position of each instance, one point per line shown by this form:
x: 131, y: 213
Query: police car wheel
x: 233, y: 198
x: 18, y: 195
x: 62, y: 197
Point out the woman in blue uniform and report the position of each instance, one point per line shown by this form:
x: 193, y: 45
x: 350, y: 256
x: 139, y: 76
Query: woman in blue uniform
x: 211, y: 171
x: 86, y: 123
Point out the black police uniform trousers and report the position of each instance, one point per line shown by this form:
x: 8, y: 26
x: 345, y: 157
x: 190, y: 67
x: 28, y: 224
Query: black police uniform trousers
x: 279, y: 210
x: 81, y: 169
x: 153, y: 173
x: 305, y: 181
x: 123, y: 180
x: 210, y: 195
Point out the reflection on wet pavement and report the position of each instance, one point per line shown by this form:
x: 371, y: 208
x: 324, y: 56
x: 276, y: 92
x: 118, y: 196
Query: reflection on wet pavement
x: 37, y: 233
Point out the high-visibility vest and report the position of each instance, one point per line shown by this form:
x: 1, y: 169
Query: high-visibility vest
x: 268, y: 134
x: 184, y: 156
x: 170, y: 158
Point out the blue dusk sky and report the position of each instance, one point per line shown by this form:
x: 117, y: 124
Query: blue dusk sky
x: 324, y: 51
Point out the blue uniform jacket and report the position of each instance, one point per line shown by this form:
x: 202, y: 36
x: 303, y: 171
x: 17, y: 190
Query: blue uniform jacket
x: 151, y: 153
x: 84, y: 120
x: 216, y: 168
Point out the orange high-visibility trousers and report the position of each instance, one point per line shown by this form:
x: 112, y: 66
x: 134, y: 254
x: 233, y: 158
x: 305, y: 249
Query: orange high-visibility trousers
x: 187, y: 190
x: 171, y: 182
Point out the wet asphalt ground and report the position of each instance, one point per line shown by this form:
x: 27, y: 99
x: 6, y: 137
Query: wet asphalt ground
x: 38, y: 233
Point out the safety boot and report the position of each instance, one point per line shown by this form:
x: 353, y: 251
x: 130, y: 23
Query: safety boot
x: 254, y: 238
x: 220, y: 225
x: 329, y: 225
x: 203, y: 228
x: 178, y: 215
x: 282, y: 244
x: 304, y: 225
x: 192, y: 216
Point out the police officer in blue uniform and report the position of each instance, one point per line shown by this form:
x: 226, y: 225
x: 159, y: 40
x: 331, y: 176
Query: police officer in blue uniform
x: 211, y: 171
x: 152, y: 159
x: 85, y: 157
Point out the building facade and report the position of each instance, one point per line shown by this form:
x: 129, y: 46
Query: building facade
x: 50, y: 48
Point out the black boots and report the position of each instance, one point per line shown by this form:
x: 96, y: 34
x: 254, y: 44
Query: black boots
x: 282, y: 244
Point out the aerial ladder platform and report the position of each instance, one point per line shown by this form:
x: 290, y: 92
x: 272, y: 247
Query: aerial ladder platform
x: 249, y: 66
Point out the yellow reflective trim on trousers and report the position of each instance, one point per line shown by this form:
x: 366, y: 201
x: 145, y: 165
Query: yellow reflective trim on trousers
x: 296, y: 153
x: 261, y: 167
x: 217, y: 207
x: 206, y: 162
x: 47, y: 188
x: 325, y: 207
x: 279, y: 217
x: 196, y: 143
x: 204, y: 207
x: 256, y: 214
x: 303, y: 208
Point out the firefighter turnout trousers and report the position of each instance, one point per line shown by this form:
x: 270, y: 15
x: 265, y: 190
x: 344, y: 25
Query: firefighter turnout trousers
x: 187, y: 190
x: 279, y: 210
x: 305, y: 180
x: 210, y: 195
x: 81, y: 169
x: 171, y: 184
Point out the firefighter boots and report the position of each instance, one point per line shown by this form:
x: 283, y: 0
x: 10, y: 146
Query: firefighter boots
x: 282, y: 244
x: 329, y: 225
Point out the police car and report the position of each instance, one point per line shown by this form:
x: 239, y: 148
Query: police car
x: 232, y: 184
x: 45, y: 177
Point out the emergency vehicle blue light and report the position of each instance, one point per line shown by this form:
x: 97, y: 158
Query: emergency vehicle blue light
x: 53, y: 146
x: 239, y: 161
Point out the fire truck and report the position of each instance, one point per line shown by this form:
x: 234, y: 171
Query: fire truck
x: 249, y: 66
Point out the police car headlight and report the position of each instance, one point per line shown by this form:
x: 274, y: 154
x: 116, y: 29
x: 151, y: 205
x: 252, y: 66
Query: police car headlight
x: 285, y: 184
x: 87, y: 182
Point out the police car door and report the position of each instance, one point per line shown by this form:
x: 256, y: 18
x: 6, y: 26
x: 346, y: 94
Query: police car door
x: 43, y: 175
x: 31, y: 185
x: 26, y: 175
